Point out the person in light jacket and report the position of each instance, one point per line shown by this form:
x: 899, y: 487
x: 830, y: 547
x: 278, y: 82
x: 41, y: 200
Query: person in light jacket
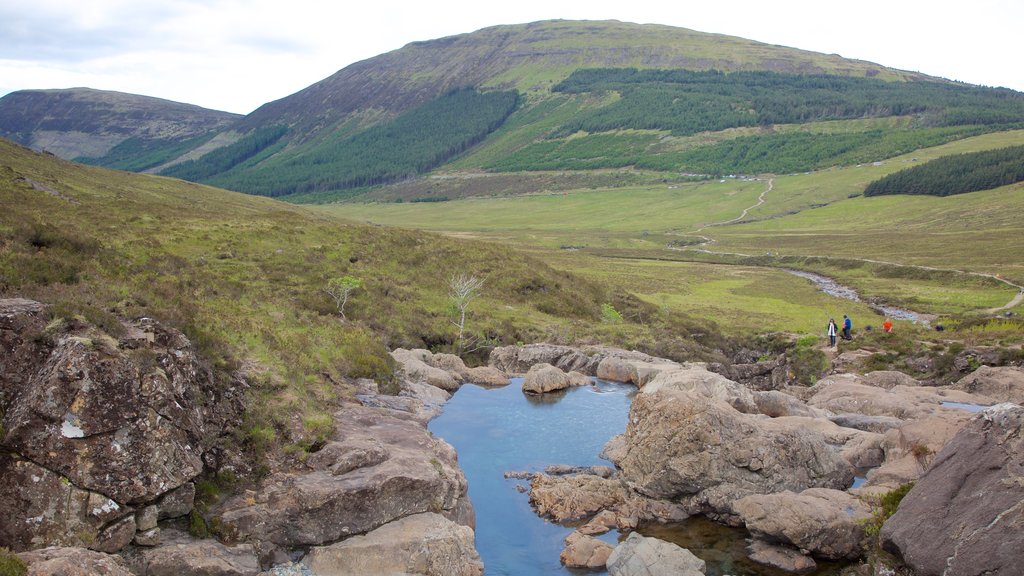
x: 832, y: 330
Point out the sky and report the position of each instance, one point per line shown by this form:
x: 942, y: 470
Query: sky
x: 235, y: 55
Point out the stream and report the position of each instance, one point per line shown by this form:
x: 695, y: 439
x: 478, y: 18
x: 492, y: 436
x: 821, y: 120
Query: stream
x: 833, y: 288
x: 498, y: 430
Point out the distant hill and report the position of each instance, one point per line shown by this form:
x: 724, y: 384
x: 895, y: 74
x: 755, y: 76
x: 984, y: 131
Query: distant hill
x: 112, y: 128
x: 572, y: 97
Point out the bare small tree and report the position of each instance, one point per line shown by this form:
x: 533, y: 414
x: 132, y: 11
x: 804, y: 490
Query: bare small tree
x: 340, y: 289
x: 462, y: 289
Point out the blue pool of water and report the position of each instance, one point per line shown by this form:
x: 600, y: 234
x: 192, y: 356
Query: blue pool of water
x: 497, y: 430
x: 964, y: 406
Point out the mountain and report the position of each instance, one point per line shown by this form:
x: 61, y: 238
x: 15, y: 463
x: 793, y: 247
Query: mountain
x: 557, y: 104
x: 118, y: 130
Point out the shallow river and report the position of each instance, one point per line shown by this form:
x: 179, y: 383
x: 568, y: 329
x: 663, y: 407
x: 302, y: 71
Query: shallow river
x: 496, y: 430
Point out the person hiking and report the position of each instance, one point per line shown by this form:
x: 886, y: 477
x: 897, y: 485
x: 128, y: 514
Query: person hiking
x: 832, y: 330
x: 847, y: 326
x: 887, y: 325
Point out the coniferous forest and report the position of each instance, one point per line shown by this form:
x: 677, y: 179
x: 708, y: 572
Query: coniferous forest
x: 957, y: 174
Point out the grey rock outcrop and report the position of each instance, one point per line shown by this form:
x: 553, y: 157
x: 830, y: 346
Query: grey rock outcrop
x: 966, y: 513
x: 700, y: 451
x: 827, y: 523
x: 63, y: 561
x: 780, y: 557
x: 519, y: 359
x: 106, y: 423
x: 377, y: 468
x: 427, y: 544
x: 641, y: 556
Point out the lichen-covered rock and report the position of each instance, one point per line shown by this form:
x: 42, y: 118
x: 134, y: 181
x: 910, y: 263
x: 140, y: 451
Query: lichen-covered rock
x: 966, y: 513
x: 64, y: 561
x: 427, y: 544
x: 519, y: 359
x: 687, y: 447
x: 487, y: 376
x: 543, y: 378
x: 102, y: 422
x: 375, y: 469
x: 585, y: 551
x: 641, y: 556
x: 828, y: 523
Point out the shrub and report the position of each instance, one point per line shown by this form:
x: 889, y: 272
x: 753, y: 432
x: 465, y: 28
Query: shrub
x: 883, y: 507
x: 609, y: 314
x: 11, y: 565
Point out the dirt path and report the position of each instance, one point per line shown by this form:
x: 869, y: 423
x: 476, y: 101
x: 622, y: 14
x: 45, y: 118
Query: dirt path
x: 1017, y: 299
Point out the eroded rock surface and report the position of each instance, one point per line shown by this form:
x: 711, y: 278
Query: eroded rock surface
x: 377, y: 468
x: 63, y: 561
x: 966, y: 513
x: 641, y: 556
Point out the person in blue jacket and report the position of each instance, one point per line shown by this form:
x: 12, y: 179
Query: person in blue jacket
x: 847, y: 326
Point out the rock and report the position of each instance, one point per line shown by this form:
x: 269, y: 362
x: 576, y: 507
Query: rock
x: 889, y: 379
x: 877, y: 424
x: 451, y: 364
x: 115, y: 536
x: 910, y: 449
x: 544, y: 378
x: 519, y: 359
x: 703, y: 453
x: 416, y: 368
x: 1003, y: 384
x: 640, y: 556
x: 828, y: 523
x: 964, y: 516
x: 762, y: 376
x: 177, y: 502
x: 861, y: 449
x: 579, y: 379
x: 615, y: 449
x: 375, y: 469
x: 149, y: 537
x: 426, y: 544
x: 706, y: 383
x: 42, y: 509
x: 126, y: 418
x: 780, y: 557
x: 57, y: 561
x: 774, y: 403
x: 583, y: 551
x: 565, y: 498
x: 600, y: 523
x: 145, y: 518
x: 432, y: 399
x: 182, y: 555
x: 847, y: 393
x: 617, y: 370
x: 487, y: 376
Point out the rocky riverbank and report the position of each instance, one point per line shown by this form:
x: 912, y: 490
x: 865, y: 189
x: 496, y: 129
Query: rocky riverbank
x: 105, y: 437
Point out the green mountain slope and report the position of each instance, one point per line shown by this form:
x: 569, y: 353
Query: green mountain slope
x: 112, y: 129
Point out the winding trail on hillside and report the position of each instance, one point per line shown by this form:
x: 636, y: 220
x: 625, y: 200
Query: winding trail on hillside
x: 1017, y: 299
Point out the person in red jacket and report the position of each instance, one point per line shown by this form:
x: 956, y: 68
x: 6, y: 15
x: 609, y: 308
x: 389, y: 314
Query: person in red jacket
x: 887, y: 325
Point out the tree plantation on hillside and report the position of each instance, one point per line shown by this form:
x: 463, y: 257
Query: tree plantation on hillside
x: 957, y: 174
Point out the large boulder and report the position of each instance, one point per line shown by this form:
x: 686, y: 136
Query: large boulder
x: 427, y: 544
x: 966, y: 513
x: 376, y: 468
x: 827, y: 523
x: 542, y: 378
x: 911, y: 448
x: 63, y: 561
x: 106, y: 423
x: 641, y: 556
x: 415, y: 364
x: 700, y: 451
x: 1002, y: 384
x: 584, y: 551
x: 706, y: 383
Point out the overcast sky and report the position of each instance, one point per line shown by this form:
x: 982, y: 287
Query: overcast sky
x: 235, y: 55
